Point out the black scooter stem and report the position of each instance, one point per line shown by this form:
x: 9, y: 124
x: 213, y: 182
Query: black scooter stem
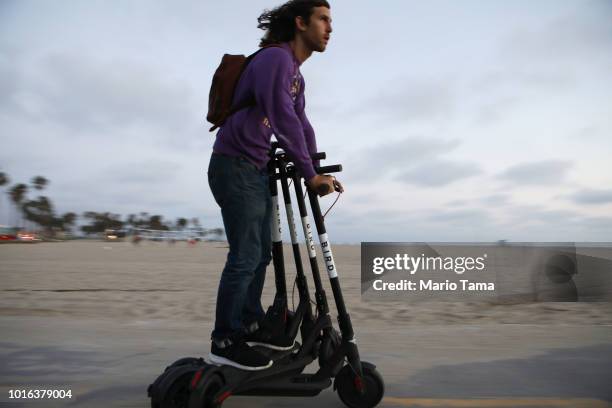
x: 344, y: 320
x: 278, y: 260
x: 280, y: 299
x: 326, y: 249
x: 301, y: 278
x: 320, y: 296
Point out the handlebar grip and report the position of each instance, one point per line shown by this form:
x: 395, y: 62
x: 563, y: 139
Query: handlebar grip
x: 336, y: 168
x: 318, y: 156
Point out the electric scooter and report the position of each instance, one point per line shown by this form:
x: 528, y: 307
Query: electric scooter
x: 195, y: 383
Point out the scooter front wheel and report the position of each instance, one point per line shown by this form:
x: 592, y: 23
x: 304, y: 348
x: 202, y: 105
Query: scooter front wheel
x: 366, y: 392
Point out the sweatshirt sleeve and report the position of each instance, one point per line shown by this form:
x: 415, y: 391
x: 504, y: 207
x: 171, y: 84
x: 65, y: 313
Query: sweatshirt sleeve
x: 309, y: 134
x: 273, y: 71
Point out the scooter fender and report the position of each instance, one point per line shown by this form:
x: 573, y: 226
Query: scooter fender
x: 202, y: 374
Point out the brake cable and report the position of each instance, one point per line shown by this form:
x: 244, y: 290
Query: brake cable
x: 332, y: 206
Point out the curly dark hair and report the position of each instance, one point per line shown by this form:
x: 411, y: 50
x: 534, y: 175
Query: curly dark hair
x: 279, y: 23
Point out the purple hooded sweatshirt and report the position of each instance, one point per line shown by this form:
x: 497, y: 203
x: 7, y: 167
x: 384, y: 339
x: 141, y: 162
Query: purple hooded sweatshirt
x: 273, y: 77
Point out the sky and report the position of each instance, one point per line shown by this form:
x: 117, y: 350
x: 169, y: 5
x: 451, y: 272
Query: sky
x: 453, y: 120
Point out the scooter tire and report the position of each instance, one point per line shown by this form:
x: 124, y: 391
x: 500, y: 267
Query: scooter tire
x: 177, y: 395
x: 204, y: 395
x: 347, y: 386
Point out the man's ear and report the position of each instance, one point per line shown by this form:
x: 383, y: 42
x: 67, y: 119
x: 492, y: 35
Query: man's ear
x: 300, y: 24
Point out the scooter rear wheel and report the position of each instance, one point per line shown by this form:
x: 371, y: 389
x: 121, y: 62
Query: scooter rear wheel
x: 166, y: 394
x: 206, y: 393
x: 177, y: 395
x: 347, y: 385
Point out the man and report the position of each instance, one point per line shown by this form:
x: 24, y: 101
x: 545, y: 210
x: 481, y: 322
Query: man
x: 238, y: 177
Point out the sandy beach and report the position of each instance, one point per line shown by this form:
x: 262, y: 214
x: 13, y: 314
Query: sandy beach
x: 104, y: 319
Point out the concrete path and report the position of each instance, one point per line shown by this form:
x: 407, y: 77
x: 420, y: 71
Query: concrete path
x: 110, y: 364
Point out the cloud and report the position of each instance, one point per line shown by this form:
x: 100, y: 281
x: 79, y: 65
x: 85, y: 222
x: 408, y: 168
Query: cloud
x: 438, y: 173
x: 409, y: 99
x: 382, y: 159
x: 519, y: 75
x: 10, y: 78
x: 457, y: 203
x: 154, y: 171
x: 413, y: 226
x: 495, y: 199
x: 550, y: 56
x: 581, y: 38
x: 540, y: 173
x: 493, y: 111
x: 592, y: 132
x: 538, y: 223
x: 598, y: 224
x: 82, y: 93
x: 535, y: 214
x: 592, y: 196
x: 471, y: 217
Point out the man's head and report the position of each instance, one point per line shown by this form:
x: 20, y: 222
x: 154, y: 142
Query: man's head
x: 308, y: 19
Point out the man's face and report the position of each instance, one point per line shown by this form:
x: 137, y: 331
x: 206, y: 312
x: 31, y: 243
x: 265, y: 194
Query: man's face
x: 316, y: 34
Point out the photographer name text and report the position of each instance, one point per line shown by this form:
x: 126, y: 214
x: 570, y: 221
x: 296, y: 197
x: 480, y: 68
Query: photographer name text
x: 431, y: 285
x: 423, y: 264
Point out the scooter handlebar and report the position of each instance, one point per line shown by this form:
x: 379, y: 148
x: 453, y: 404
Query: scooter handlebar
x: 314, y: 156
x: 336, y: 168
x: 324, y: 188
x: 318, y: 156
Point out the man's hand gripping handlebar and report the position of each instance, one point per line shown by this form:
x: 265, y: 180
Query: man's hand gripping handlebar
x: 324, y: 184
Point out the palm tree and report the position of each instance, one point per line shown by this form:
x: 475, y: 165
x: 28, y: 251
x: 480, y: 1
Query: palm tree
x: 39, y: 182
x: 99, y: 222
x: 45, y: 209
x: 4, y: 180
x: 17, y: 194
x: 156, y: 222
x: 181, y: 223
x: 68, y: 220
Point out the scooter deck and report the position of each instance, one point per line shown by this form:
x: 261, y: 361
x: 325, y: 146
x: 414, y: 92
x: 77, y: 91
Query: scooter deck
x: 302, y: 385
x: 282, y: 377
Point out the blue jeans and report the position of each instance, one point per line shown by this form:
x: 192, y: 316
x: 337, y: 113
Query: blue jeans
x: 242, y: 191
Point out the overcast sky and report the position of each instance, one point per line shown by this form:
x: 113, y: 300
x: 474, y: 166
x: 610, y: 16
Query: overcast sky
x: 454, y: 120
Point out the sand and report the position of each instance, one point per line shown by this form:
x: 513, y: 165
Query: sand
x: 157, y: 280
x: 105, y: 318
